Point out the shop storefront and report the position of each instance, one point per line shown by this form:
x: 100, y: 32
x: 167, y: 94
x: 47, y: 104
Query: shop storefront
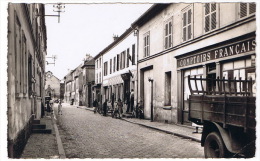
x: 232, y: 59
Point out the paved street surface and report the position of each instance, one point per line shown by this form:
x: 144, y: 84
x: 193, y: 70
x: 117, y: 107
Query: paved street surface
x: 88, y: 135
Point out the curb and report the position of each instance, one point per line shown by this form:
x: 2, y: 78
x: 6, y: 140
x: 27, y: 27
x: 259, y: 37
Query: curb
x: 165, y: 131
x: 59, y: 142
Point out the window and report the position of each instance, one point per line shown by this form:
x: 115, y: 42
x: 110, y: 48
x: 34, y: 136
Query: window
x: 238, y: 69
x: 110, y: 66
x: 211, y: 17
x: 30, y: 74
x: 167, y: 97
x: 105, y: 69
x: 147, y: 44
x: 97, y: 64
x: 17, y: 55
x: 168, y: 34
x: 187, y: 25
x: 133, y: 54
x: 127, y: 58
x: 114, y: 69
x: 123, y: 60
x: 246, y: 9
x: 117, y: 63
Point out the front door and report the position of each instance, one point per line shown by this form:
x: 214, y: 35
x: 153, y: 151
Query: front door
x: 147, y: 94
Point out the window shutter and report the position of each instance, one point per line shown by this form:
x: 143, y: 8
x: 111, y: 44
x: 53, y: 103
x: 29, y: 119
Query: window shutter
x: 213, y: 7
x: 184, y: 19
x: 252, y: 8
x: 243, y: 10
x: 184, y: 34
x: 207, y: 8
x: 213, y: 21
x: 170, y: 37
x: 189, y: 32
x: 207, y: 23
x: 189, y: 16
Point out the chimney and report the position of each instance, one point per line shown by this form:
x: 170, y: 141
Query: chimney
x: 115, y: 37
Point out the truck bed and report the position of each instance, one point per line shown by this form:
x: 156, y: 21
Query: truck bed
x: 226, y: 110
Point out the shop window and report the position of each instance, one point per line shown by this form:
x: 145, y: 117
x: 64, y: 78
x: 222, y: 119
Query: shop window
x: 211, y: 16
x: 167, y: 97
x: 147, y: 44
x: 187, y: 24
x: 192, y: 72
x: 236, y: 70
x: 246, y: 9
x: 168, y: 34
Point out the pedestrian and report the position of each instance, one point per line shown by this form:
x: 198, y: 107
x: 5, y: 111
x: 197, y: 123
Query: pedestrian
x: 132, y: 95
x: 127, y: 102
x: 112, y: 100
x: 95, y: 105
x: 105, y: 108
x: 119, y: 105
x: 60, y: 108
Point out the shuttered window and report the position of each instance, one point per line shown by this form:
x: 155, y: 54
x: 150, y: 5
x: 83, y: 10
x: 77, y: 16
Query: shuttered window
x: 133, y: 54
x: 246, y: 9
x: 211, y: 19
x: 187, y: 25
x: 168, y: 34
x: 114, y: 64
x: 147, y: 44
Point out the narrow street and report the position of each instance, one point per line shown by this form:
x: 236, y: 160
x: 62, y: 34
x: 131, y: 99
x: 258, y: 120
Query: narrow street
x: 88, y: 135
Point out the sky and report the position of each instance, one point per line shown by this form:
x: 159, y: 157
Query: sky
x: 85, y: 29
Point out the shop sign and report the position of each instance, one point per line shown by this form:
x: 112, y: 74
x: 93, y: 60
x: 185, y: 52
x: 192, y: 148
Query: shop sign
x: 222, y: 52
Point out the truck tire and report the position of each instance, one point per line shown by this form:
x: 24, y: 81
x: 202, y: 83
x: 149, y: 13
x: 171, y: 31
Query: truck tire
x: 214, y: 146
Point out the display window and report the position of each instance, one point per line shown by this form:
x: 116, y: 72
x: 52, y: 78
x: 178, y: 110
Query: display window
x: 192, y: 72
x: 239, y: 69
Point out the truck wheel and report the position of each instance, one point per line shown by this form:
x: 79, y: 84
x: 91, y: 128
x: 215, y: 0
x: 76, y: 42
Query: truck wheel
x: 214, y: 146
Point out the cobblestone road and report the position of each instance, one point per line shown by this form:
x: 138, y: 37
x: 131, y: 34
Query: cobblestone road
x: 88, y: 135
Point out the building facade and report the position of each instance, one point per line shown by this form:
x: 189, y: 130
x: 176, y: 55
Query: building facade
x: 88, y: 76
x: 26, y: 72
x: 197, y: 39
x: 118, y: 69
x: 98, y: 77
x: 52, y: 86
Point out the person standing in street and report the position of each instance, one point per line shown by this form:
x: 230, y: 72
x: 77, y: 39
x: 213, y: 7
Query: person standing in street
x: 105, y: 108
x: 95, y: 104
x: 132, y: 95
x: 60, y: 108
x: 112, y: 100
x: 120, y: 107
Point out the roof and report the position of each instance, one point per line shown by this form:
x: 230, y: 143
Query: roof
x: 89, y: 63
x: 149, y: 14
x: 129, y: 30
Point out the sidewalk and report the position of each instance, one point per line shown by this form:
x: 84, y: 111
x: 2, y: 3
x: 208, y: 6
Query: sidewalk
x: 44, y: 145
x: 174, y: 129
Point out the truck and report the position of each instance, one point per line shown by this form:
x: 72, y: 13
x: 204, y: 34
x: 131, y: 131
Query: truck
x: 225, y: 108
